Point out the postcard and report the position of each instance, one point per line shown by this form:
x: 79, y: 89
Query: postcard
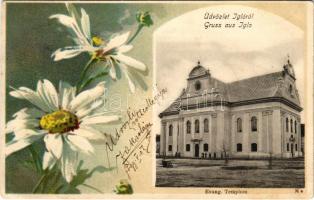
x: 156, y: 99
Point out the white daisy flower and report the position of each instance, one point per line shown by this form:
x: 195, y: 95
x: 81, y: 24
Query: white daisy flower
x: 110, y: 53
x: 66, y: 123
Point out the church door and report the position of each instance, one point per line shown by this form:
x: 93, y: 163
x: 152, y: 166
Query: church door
x: 197, y: 150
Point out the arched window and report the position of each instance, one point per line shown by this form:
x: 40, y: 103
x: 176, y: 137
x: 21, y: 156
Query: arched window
x: 295, y: 126
x: 188, y: 127
x: 239, y: 147
x: 239, y: 125
x: 254, y: 123
x: 287, y: 125
x: 291, y: 125
x: 205, y: 147
x: 170, y: 130
x: 198, y: 85
x: 206, y: 125
x: 197, y: 126
x: 254, y: 147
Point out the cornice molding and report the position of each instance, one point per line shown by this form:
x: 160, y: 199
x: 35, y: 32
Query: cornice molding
x: 235, y: 104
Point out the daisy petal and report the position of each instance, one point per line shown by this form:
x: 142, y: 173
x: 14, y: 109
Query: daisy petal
x: 136, y: 77
x: 112, y: 73
x: 72, y: 10
x: 32, y: 97
x: 41, y: 91
x: 68, y: 163
x: 81, y: 143
x: 67, y: 52
x: 17, y: 145
x: 89, y: 109
x: 88, y: 96
x: 117, y: 41
x: 101, y: 119
x: 28, y: 113
x: 19, y: 124
x: 131, y: 84
x: 54, y: 144
x: 48, y: 160
x: 63, y: 19
x: 89, y: 133
x: 130, y: 62
x: 85, y: 24
x: 66, y: 94
x: 51, y: 93
x: 125, y: 48
x: 71, y: 23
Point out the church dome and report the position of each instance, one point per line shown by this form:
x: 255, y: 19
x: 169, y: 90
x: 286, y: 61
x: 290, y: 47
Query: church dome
x: 198, y: 71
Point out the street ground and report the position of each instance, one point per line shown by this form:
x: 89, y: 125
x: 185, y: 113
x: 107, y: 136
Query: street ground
x: 288, y: 173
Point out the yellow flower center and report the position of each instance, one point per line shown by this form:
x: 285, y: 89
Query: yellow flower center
x: 60, y: 121
x: 97, y: 41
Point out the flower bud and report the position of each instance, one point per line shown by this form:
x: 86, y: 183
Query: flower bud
x: 144, y: 18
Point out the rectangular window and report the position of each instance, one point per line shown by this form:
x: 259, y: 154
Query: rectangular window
x: 296, y: 147
x: 170, y: 148
x: 239, y: 147
x: 253, y: 147
x: 288, y: 147
x: 187, y: 147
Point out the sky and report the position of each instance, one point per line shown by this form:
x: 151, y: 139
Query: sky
x: 229, y: 54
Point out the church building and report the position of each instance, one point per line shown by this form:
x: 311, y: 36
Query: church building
x: 257, y: 117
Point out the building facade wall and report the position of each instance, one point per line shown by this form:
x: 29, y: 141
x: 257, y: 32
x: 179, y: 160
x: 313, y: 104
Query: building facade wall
x: 223, y: 138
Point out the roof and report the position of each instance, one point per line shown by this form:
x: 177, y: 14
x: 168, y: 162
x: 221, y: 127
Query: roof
x: 198, y: 71
x: 264, y: 87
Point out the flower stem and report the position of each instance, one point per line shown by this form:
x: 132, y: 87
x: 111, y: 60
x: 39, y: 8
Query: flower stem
x: 90, y: 80
x: 139, y: 28
x: 36, y: 160
x: 92, y: 187
x: 38, y: 184
x: 83, y: 74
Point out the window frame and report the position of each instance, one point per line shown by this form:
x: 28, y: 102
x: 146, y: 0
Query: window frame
x: 205, y: 149
x: 291, y: 125
x: 197, y: 85
x: 170, y: 130
x: 254, y: 124
x: 239, y: 125
x: 253, y: 147
x: 187, y: 147
x: 188, y: 127
x: 206, y: 125
x: 197, y: 126
x: 239, y: 147
x: 170, y: 147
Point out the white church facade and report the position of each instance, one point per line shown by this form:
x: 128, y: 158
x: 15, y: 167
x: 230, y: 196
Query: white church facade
x: 256, y: 117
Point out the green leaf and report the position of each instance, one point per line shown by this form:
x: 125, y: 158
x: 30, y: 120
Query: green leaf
x: 91, y: 79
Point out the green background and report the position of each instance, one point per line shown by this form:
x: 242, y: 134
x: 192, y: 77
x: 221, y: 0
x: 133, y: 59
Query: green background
x: 30, y: 40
